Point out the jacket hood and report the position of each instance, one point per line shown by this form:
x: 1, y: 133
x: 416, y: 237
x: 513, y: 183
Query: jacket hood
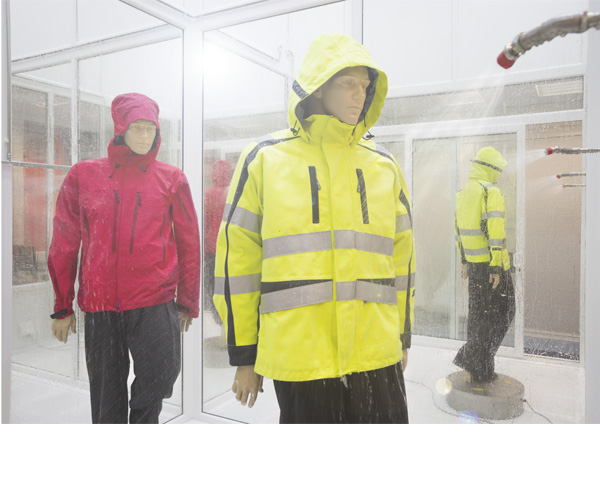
x: 327, y: 55
x: 487, y: 165
x: 221, y: 173
x: 125, y: 109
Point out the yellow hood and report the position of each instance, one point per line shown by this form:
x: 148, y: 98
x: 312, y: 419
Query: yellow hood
x: 327, y: 55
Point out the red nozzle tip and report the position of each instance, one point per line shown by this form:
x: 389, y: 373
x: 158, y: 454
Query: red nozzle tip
x: 504, y: 61
x: 549, y: 151
x: 558, y: 176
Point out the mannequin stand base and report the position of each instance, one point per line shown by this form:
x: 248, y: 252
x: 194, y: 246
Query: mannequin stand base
x: 499, y: 399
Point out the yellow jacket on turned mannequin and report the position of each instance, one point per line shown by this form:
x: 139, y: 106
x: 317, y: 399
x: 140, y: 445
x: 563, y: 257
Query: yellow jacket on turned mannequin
x: 314, y: 274
x: 480, y: 214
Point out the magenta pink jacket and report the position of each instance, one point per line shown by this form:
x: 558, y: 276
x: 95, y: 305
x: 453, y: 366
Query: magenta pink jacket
x: 135, y: 221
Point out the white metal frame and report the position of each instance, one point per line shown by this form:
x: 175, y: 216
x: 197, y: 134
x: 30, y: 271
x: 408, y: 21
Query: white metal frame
x: 194, y: 31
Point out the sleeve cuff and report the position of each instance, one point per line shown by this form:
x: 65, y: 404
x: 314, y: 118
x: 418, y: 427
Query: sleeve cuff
x: 406, y: 338
x: 63, y: 313
x: 185, y: 309
x: 242, y: 355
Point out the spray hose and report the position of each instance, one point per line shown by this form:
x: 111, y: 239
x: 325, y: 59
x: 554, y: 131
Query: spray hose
x: 559, y: 26
x: 570, y: 151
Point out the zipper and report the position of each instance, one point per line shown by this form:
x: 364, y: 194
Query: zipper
x: 87, y: 228
x: 114, y: 241
x: 315, y: 187
x: 138, y: 204
x: 363, y: 195
x: 162, y: 239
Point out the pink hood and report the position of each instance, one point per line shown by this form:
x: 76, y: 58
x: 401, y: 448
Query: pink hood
x: 127, y: 108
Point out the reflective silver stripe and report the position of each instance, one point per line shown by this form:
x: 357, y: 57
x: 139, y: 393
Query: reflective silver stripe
x: 238, y: 284
x: 495, y: 243
x: 345, y: 238
x: 244, y: 218
x: 403, y: 223
x: 402, y: 282
x: 492, y: 214
x: 479, y: 251
x: 296, y: 243
x: 296, y: 297
x: 471, y: 232
x: 364, y: 290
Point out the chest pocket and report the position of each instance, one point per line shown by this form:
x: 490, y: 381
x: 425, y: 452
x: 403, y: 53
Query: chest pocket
x: 150, y: 220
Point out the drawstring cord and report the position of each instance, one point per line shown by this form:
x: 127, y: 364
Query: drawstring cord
x: 294, y: 131
x: 113, y: 172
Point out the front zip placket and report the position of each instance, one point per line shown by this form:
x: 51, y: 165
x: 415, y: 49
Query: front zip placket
x: 138, y: 204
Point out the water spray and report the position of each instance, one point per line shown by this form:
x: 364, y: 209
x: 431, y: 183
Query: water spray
x: 570, y: 151
x: 559, y: 26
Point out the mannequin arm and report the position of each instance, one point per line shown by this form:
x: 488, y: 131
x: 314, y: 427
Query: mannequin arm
x: 61, y: 327
x: 247, y: 383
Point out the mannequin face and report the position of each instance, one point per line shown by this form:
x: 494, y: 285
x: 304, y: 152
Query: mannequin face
x: 140, y: 135
x: 344, y: 94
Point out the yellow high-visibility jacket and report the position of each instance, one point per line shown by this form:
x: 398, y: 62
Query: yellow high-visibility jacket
x: 481, y: 219
x: 314, y: 272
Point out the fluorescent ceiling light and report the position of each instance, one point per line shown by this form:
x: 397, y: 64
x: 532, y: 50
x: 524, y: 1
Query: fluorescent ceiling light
x: 559, y: 88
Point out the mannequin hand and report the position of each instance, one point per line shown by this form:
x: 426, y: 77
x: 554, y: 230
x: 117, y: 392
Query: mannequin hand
x: 404, y: 359
x: 247, y: 383
x: 61, y: 327
x: 184, y: 322
x: 464, y: 273
x: 496, y: 279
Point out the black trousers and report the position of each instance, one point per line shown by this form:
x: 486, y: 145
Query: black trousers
x: 152, y: 335
x: 372, y: 397
x: 490, y: 315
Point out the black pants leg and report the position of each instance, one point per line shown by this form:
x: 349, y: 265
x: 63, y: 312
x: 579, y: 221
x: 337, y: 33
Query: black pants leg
x: 376, y: 396
x: 107, y: 360
x: 490, y: 315
x: 153, y: 337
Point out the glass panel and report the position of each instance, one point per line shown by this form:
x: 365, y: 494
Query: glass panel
x: 441, y: 167
x: 552, y: 243
x: 49, y: 378
x: 100, y: 19
x: 49, y: 36
x: 244, y: 101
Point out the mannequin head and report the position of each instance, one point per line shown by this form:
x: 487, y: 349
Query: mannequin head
x: 140, y: 135
x: 343, y: 95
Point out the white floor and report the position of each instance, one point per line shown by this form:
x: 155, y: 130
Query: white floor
x: 554, y: 389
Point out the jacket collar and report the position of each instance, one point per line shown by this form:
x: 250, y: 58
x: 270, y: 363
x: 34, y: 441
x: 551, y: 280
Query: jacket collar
x: 121, y: 155
x: 326, y: 127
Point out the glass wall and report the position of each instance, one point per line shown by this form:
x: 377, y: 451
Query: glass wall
x: 50, y: 380
x: 245, y: 99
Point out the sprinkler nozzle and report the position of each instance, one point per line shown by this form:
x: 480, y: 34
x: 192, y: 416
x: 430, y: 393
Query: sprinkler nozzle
x: 504, y: 61
x: 549, y: 151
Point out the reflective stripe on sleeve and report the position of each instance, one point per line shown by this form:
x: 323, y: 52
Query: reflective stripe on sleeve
x: 496, y: 243
x: 492, y: 215
x: 403, y: 223
x: 365, y: 290
x: 238, y: 284
x: 244, y: 218
x: 402, y: 282
x: 296, y: 297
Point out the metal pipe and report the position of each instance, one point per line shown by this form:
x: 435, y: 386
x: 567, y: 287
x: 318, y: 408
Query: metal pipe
x: 570, y: 151
x: 571, y: 174
x: 547, y: 31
